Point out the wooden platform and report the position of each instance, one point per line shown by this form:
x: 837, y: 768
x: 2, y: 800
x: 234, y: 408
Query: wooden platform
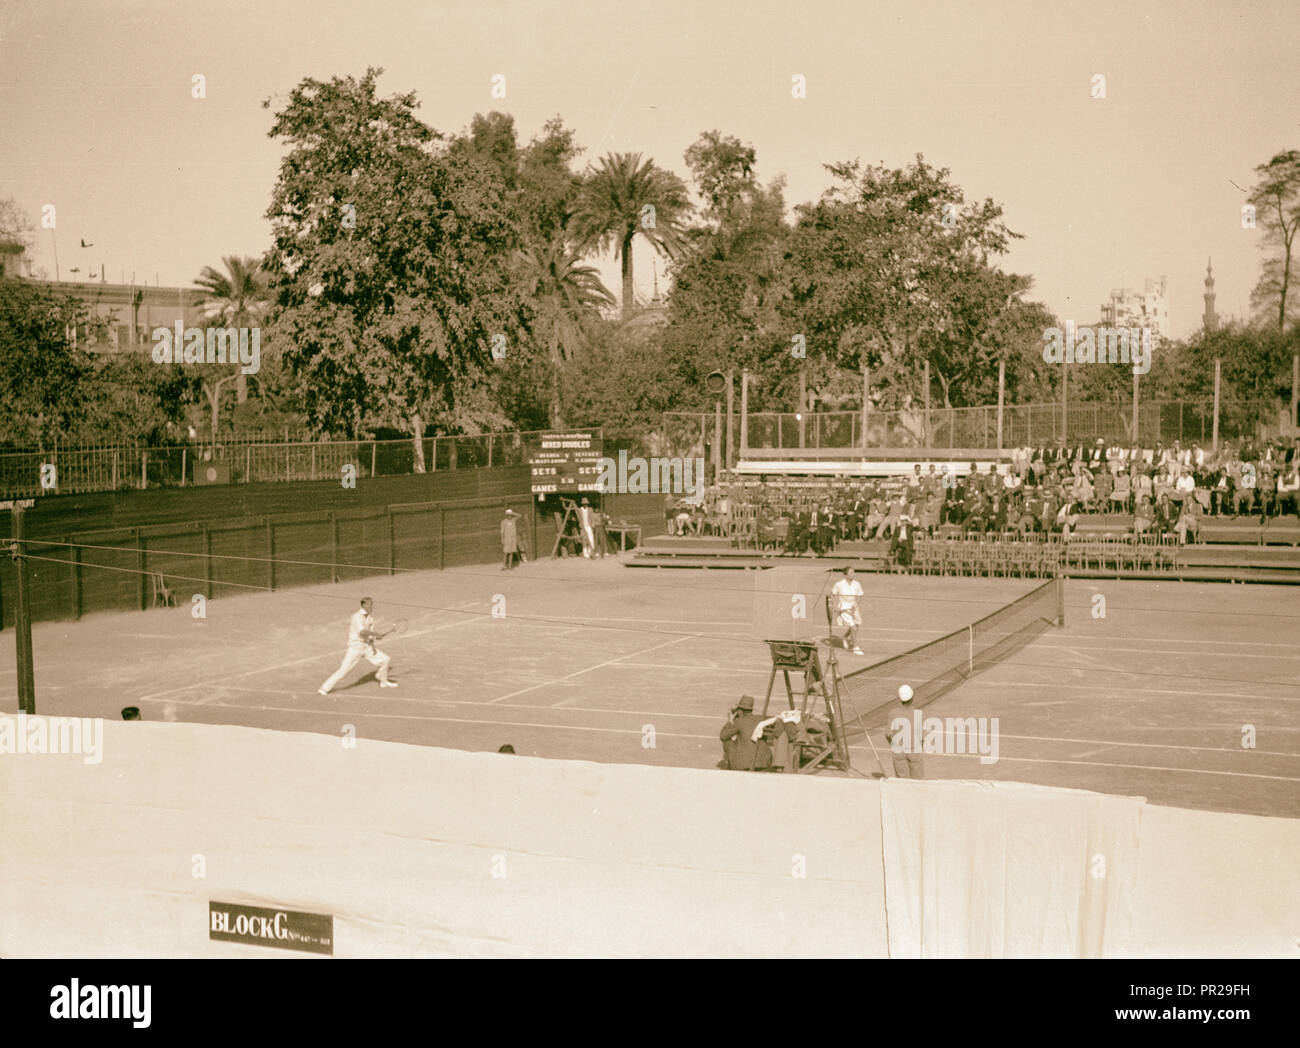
x: 1200, y: 562
x: 1234, y: 531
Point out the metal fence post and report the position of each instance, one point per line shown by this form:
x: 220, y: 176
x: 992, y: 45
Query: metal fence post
x: 270, y: 554
x: 207, y: 562
x: 75, y: 561
x: 374, y: 452
x: 142, y: 568
x: 334, y: 547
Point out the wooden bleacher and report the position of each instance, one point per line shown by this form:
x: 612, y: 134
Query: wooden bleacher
x: 1238, y: 550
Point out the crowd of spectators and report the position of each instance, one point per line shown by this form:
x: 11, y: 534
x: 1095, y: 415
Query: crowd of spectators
x: 1163, y: 489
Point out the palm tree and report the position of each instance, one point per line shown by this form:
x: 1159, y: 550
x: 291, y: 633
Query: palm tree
x: 611, y: 211
x: 235, y: 298
x: 566, y: 293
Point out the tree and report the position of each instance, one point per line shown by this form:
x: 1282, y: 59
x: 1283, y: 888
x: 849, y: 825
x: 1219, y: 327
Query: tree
x: 390, y: 264
x: 622, y: 383
x: 1276, y: 198
x: 730, y: 282
x: 237, y: 298
x: 548, y: 188
x: 623, y: 197
x: 890, y: 266
x: 1255, y: 361
x: 723, y: 168
x: 16, y: 228
x: 17, y: 233
x: 567, y: 297
x: 43, y: 361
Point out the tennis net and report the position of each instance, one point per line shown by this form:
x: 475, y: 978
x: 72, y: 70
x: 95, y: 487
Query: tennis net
x: 934, y: 669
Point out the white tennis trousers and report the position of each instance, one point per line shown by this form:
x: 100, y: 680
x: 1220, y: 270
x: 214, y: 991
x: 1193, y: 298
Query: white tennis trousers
x: 355, y: 654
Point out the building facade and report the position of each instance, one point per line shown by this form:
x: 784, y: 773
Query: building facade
x: 1148, y: 308
x: 131, y: 310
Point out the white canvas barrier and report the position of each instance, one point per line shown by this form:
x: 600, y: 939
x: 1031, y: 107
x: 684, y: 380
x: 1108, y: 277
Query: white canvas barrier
x: 427, y: 852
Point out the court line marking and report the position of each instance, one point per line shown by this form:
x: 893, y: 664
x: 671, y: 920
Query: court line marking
x: 679, y: 735
x: 694, y: 716
x: 714, y: 717
x: 409, y: 716
x: 1104, y: 764
x: 579, y: 673
x: 286, y: 665
x: 1143, y: 745
x: 1134, y: 689
x: 675, y: 622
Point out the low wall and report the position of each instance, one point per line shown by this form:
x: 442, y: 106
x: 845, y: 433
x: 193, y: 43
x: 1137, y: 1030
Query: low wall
x: 427, y: 852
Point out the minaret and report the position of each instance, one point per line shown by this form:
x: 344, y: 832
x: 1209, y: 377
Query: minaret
x: 1210, y: 320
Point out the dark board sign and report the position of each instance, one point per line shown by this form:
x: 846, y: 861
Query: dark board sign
x: 264, y: 926
x: 565, y: 462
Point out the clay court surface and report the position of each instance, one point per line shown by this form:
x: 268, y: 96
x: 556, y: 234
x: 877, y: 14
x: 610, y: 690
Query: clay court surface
x: 584, y: 660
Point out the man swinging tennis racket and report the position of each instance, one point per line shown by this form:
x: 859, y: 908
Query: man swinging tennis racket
x: 361, y: 645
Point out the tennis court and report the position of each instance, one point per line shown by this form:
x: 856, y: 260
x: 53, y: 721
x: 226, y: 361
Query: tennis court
x: 593, y: 661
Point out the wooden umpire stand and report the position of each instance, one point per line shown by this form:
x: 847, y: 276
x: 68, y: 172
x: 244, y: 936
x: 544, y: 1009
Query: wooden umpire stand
x: 801, y: 657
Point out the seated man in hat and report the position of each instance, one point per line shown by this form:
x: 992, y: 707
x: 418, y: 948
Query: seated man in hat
x: 748, y: 740
x: 903, y: 543
x: 739, y: 750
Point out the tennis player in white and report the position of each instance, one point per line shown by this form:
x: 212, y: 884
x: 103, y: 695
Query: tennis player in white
x: 848, y: 594
x: 361, y: 645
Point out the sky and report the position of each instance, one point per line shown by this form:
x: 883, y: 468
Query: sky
x: 97, y: 115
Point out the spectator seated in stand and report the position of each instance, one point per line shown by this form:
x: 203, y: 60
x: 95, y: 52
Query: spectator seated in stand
x: 1144, y: 517
x: 1189, y: 520
x: 1029, y: 493
x: 1288, y: 490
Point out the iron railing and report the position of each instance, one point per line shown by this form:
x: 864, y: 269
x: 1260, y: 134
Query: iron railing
x: 80, y: 470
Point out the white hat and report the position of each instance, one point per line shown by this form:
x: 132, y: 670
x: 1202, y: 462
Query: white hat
x: 905, y: 693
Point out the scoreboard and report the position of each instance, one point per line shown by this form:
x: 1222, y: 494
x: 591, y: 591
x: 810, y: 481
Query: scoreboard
x: 565, y: 462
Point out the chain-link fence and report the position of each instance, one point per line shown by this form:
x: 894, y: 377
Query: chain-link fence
x: 1022, y: 424
x: 81, y: 470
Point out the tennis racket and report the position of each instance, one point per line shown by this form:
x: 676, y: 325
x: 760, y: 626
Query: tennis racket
x: 382, y: 630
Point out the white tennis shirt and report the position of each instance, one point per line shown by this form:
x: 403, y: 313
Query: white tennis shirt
x: 359, y: 621
x: 848, y: 593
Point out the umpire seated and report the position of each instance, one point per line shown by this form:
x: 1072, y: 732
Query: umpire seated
x: 748, y: 740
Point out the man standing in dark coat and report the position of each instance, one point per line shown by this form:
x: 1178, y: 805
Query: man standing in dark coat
x: 510, y: 540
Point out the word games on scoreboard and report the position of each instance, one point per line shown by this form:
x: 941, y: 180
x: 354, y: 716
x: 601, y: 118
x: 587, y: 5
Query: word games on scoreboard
x: 566, y: 462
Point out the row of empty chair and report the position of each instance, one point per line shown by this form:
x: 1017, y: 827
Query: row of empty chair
x: 1032, y: 555
x: 983, y: 554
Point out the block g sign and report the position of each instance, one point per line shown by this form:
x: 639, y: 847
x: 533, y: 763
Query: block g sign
x: 262, y: 926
